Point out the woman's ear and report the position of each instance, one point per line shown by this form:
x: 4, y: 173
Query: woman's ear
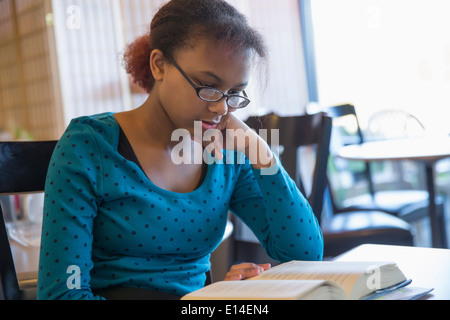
x: 157, y: 64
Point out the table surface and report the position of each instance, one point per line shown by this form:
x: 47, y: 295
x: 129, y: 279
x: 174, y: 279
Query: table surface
x: 427, y: 267
x: 427, y: 148
x: 26, y: 261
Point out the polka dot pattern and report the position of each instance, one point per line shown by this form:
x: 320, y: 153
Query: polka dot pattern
x: 102, y: 214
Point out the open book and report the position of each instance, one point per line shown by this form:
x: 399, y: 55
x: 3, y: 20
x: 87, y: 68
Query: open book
x: 298, y: 280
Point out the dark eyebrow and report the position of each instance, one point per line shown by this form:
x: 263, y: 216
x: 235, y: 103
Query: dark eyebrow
x: 219, y: 79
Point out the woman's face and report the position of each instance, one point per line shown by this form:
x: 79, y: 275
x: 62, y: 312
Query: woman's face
x: 206, y: 64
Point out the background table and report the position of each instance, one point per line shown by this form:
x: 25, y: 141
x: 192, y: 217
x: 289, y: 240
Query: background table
x: 427, y: 267
x: 428, y: 150
x: 26, y: 262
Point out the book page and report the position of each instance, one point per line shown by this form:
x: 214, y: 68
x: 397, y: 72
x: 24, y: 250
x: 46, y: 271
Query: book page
x: 260, y: 289
x: 345, y: 273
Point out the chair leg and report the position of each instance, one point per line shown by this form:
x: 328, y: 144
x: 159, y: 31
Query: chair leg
x: 443, y: 227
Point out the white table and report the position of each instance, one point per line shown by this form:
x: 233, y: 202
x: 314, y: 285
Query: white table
x: 427, y: 267
x: 427, y: 149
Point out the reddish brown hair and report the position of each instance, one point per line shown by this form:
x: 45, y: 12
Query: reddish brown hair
x: 179, y: 23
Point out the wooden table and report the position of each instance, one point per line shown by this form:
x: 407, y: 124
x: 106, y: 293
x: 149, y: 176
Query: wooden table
x: 427, y: 149
x: 427, y: 267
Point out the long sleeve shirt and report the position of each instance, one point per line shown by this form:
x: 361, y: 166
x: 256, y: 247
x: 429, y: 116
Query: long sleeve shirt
x: 106, y: 224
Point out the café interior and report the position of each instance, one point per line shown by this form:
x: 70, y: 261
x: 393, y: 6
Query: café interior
x: 375, y: 76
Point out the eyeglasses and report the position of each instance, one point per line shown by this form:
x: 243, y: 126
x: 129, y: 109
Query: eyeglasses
x: 213, y: 95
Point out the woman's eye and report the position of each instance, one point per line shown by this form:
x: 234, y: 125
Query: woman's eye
x: 203, y: 84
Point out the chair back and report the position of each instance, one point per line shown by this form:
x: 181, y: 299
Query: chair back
x: 23, y: 166
x: 23, y: 169
x: 346, y: 110
x: 296, y: 132
x: 339, y: 111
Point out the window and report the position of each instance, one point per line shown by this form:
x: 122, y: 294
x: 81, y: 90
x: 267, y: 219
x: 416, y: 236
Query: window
x: 381, y: 55
x: 88, y: 43
x: 279, y: 23
x: 29, y: 106
x: 384, y: 54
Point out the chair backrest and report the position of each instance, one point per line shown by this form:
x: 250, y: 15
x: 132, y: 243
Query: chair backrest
x: 301, y: 131
x: 346, y: 110
x: 349, y: 110
x: 23, y: 165
x: 23, y: 169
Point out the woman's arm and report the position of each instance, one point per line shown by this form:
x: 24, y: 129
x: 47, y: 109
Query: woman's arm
x: 71, y: 198
x: 278, y: 213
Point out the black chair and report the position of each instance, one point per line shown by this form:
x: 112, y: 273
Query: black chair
x: 23, y: 169
x: 346, y: 230
x: 341, y: 231
x: 407, y: 203
x: 296, y: 132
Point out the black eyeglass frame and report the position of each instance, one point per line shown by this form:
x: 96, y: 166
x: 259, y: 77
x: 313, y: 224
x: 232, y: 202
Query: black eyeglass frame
x: 197, y: 88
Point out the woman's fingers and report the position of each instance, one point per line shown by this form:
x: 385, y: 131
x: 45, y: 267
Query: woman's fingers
x: 245, y: 270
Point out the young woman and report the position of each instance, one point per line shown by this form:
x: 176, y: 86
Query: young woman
x: 120, y: 213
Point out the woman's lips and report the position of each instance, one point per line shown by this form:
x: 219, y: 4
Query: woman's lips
x: 208, y: 125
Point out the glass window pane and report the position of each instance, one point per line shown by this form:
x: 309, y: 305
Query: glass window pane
x: 384, y: 54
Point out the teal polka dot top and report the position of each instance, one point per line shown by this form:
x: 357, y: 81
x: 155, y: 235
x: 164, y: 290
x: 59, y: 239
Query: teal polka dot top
x: 106, y: 224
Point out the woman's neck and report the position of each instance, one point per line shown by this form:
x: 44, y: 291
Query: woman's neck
x: 150, y: 123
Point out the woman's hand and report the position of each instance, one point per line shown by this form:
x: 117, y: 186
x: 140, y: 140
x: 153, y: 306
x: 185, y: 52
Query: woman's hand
x: 245, y: 270
x: 233, y: 134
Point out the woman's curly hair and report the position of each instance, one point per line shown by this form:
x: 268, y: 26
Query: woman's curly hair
x: 179, y: 23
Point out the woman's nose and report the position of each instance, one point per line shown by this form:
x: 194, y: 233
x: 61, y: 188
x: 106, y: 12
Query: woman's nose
x: 220, y: 107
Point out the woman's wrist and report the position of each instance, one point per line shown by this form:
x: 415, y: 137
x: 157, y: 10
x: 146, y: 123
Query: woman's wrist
x: 259, y: 154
